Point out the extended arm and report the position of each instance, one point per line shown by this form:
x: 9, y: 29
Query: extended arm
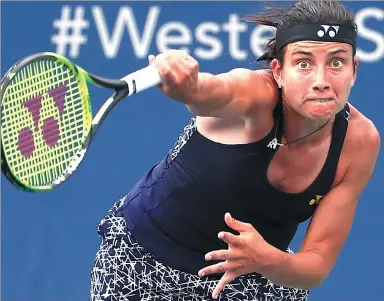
x: 230, y: 94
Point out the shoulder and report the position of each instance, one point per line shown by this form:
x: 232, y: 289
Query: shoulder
x: 362, y: 145
x: 261, y: 77
x: 362, y: 134
x: 257, y: 88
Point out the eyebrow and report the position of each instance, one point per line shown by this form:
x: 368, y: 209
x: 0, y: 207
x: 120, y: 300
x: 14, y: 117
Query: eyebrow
x: 338, y: 51
x: 307, y: 53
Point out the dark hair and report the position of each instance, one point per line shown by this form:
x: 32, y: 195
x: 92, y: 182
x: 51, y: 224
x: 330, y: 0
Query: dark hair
x: 304, y: 11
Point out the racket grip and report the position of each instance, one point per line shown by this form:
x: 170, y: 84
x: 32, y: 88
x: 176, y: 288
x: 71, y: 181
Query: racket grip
x: 142, y: 79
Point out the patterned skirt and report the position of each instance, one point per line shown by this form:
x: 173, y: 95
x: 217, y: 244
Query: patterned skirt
x: 124, y: 271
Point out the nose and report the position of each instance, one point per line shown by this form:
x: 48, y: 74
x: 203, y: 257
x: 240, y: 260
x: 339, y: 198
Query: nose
x: 320, y: 83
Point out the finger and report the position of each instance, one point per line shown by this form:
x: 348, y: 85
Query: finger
x: 226, y: 279
x: 229, y: 238
x: 217, y: 268
x: 167, y: 75
x: 163, y: 70
x: 221, y: 255
x: 190, y: 63
x: 235, y: 224
x: 151, y: 58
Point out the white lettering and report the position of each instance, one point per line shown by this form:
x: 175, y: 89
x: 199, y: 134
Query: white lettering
x: 126, y: 18
x: 234, y: 27
x: 369, y: 34
x: 202, y: 36
x: 205, y: 41
x: 165, y: 41
x: 258, y: 39
x: 71, y: 167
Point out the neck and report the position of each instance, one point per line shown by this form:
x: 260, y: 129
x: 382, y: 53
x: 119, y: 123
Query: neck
x: 297, y: 126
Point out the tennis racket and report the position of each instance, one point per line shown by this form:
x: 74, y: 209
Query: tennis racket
x: 46, y: 118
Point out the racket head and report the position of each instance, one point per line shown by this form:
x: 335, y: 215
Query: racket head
x: 46, y: 121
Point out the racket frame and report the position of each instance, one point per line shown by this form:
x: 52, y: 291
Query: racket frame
x: 121, y: 91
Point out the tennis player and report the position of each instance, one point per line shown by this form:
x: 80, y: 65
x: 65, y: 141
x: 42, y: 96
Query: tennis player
x: 266, y: 151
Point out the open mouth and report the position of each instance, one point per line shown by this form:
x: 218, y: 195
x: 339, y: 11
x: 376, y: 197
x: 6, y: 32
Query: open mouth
x: 321, y: 100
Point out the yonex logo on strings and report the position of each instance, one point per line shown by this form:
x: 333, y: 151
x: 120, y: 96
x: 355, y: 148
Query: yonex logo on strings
x: 327, y: 29
x: 50, y: 128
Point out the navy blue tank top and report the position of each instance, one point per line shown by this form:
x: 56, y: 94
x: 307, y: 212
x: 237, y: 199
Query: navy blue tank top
x: 177, y: 209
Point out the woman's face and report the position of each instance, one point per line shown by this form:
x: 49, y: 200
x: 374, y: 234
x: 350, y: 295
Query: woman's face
x: 316, y: 77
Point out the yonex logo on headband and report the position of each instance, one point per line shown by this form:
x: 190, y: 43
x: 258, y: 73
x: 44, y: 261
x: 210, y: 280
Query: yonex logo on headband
x: 331, y: 32
x: 322, y: 32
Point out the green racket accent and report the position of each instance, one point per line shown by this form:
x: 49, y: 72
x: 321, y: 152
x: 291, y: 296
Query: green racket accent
x: 46, y: 116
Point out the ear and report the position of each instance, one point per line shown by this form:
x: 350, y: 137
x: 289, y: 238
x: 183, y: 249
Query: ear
x: 277, y: 72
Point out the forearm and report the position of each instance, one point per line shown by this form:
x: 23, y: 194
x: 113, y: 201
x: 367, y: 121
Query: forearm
x: 213, y: 94
x: 305, y: 269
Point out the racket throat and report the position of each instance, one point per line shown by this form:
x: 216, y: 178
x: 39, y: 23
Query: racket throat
x: 106, y: 108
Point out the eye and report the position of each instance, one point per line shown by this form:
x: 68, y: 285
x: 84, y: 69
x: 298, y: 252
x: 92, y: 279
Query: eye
x: 303, y: 64
x: 336, y: 63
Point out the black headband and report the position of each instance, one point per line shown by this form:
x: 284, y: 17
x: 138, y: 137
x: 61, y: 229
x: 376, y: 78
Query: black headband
x: 321, y: 32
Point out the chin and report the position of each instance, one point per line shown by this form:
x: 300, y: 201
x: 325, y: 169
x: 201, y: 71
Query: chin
x: 321, y: 110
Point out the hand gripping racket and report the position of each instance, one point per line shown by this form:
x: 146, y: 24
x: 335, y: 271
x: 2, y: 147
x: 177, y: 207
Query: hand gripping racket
x: 46, y: 117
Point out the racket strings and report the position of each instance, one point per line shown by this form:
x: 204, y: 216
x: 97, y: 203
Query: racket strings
x: 43, y: 121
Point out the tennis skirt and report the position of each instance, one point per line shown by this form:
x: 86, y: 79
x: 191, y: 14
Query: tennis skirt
x: 124, y: 271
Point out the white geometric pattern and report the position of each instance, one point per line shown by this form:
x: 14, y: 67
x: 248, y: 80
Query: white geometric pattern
x: 124, y: 271
x: 189, y: 129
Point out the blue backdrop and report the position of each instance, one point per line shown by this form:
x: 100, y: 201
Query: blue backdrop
x: 49, y: 240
